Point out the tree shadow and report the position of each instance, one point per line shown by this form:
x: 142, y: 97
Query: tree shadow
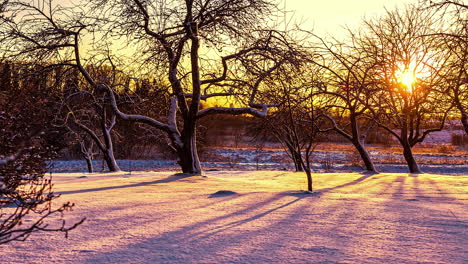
x: 356, y: 181
x: 171, y: 178
x: 261, y: 229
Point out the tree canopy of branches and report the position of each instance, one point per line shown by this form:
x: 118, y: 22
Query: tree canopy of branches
x: 347, y: 87
x: 407, y: 74
x: 179, y: 40
x: 454, y: 38
x: 177, y: 34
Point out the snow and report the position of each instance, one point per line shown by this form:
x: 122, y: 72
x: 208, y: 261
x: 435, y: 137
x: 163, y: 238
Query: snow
x: 255, y: 217
x: 276, y: 159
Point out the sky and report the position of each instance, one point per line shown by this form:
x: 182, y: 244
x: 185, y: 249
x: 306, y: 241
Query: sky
x: 329, y: 16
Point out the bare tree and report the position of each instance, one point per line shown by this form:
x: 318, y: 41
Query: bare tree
x: 86, y: 146
x: 292, y: 124
x: 408, y: 63
x: 50, y: 35
x: 347, y: 86
x: 173, y: 33
x: 82, y: 118
x: 454, y: 38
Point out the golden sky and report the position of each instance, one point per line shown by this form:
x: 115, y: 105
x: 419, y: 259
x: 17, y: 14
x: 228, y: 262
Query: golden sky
x: 329, y: 16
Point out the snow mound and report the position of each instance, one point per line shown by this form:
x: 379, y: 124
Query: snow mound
x: 222, y: 193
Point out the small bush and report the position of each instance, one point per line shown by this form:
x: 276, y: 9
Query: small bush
x: 459, y: 139
x: 445, y: 149
x: 327, y: 163
x: 354, y: 159
x: 380, y: 137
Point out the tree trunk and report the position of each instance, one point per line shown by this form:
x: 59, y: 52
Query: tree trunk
x: 188, y: 156
x: 364, y: 156
x: 464, y: 120
x: 110, y: 161
x: 461, y: 108
x: 297, y: 161
x: 408, y: 154
x: 355, y: 139
x: 309, y: 179
x: 89, y: 164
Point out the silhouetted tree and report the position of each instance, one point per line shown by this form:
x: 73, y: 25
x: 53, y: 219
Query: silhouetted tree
x: 170, y: 36
x: 174, y: 41
x: 454, y: 38
x: 407, y: 66
x: 347, y: 86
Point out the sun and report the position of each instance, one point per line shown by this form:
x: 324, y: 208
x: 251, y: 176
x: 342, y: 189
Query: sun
x: 407, y: 78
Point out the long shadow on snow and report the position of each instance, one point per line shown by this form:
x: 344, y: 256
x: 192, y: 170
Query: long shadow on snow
x: 171, y: 178
x: 358, y: 180
x: 434, y: 234
x: 196, y: 236
x: 201, y: 232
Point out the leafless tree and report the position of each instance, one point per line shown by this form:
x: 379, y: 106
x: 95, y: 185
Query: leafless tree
x: 296, y: 122
x: 291, y: 122
x: 454, y: 37
x: 347, y: 86
x: 86, y: 145
x: 81, y: 117
x: 49, y: 34
x: 407, y: 66
x: 176, y: 34
x: 170, y: 35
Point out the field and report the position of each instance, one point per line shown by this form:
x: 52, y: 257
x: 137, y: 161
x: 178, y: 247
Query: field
x: 256, y: 217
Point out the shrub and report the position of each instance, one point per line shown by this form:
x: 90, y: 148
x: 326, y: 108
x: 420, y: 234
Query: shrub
x: 327, y: 162
x: 354, y: 158
x: 445, y: 149
x: 380, y: 136
x: 459, y: 139
x: 28, y: 140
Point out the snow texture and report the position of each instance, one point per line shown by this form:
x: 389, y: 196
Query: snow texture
x: 257, y: 217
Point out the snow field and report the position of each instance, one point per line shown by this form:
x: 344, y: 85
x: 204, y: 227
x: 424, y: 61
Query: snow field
x: 263, y: 217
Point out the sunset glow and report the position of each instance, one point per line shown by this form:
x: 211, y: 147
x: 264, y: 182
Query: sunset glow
x: 407, y: 78
x: 244, y: 131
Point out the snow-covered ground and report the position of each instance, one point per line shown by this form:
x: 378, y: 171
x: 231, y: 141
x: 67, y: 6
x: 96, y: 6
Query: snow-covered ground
x: 258, y: 217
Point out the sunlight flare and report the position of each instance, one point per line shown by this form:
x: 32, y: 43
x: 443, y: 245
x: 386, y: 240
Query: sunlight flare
x: 407, y: 78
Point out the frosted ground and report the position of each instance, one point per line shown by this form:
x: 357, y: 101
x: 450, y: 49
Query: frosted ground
x: 256, y: 217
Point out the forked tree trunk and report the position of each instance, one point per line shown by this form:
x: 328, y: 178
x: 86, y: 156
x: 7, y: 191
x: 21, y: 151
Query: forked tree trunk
x: 294, y: 155
x: 110, y: 161
x: 408, y: 154
x: 364, y: 156
x: 297, y: 160
x: 462, y: 109
x: 356, y: 135
x: 109, y: 146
